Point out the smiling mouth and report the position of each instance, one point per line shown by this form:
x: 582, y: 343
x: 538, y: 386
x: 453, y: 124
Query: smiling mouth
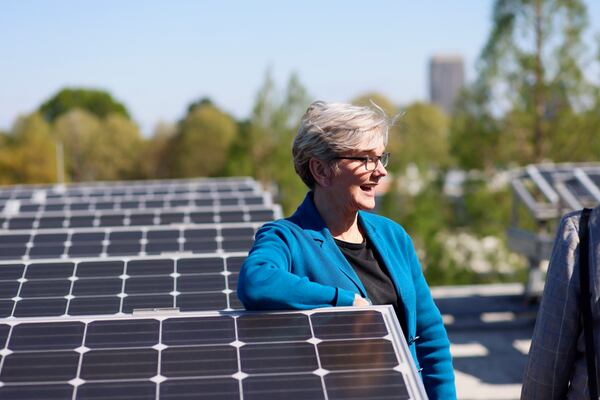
x: 368, y: 188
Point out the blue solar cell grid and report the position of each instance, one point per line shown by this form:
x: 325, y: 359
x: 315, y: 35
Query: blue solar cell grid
x: 288, y: 355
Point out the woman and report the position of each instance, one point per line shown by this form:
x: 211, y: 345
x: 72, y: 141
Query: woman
x: 332, y: 253
x: 556, y: 367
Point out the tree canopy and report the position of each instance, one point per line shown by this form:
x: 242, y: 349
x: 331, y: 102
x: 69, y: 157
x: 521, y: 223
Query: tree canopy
x: 202, y: 141
x: 97, y: 102
x: 28, y: 155
x: 531, y: 66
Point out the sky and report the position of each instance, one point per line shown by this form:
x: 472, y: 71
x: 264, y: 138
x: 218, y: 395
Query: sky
x: 159, y: 56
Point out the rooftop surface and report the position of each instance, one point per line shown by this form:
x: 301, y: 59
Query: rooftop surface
x: 490, y: 328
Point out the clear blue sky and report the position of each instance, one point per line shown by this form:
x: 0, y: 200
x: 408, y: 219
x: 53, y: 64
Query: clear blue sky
x: 158, y: 56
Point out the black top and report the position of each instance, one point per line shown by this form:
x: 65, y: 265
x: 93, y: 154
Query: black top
x: 373, y: 274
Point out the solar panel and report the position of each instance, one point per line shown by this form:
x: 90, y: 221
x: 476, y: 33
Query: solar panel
x: 550, y: 190
x: 84, y: 269
x: 122, y: 188
x: 199, y: 215
x: 320, y: 354
x: 113, y: 286
x: 140, y: 202
x: 107, y: 242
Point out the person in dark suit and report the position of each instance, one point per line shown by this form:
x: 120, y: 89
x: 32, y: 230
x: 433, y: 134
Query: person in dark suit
x: 556, y: 367
x: 331, y: 252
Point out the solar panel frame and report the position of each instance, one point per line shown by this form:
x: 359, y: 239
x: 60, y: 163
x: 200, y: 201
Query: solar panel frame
x: 179, y: 238
x: 550, y: 190
x: 58, y: 187
x: 11, y: 197
x: 112, y: 218
x: 78, y: 287
x: 153, y: 353
x: 140, y: 202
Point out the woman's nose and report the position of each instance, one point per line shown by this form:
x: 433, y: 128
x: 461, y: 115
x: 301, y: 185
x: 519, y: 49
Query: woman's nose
x: 380, y: 169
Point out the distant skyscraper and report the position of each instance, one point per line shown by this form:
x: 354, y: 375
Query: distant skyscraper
x: 446, y: 78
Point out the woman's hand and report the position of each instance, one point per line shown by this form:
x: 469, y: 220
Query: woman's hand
x: 360, y: 301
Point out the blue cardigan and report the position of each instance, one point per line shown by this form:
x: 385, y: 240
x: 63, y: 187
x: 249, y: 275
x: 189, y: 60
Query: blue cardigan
x: 295, y: 264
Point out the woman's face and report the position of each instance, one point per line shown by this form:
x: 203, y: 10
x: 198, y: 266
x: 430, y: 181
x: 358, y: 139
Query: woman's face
x: 353, y: 185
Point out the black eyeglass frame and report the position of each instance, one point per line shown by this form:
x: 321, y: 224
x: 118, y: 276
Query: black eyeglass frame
x: 383, y: 159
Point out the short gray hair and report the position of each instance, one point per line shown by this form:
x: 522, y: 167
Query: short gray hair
x: 330, y: 129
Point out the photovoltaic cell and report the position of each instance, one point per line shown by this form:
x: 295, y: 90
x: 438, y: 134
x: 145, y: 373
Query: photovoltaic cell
x: 205, y: 356
x: 50, y: 220
x: 112, y: 286
x: 93, y: 243
x: 130, y: 188
x: 142, y: 203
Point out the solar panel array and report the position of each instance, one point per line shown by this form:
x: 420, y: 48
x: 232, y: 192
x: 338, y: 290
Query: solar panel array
x: 291, y: 355
x: 70, y: 243
x: 127, y: 290
x: 203, y: 215
x: 550, y: 190
x: 547, y: 192
x: 86, y: 191
x: 114, y: 286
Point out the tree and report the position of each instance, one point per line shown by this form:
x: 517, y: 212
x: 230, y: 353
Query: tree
x: 77, y: 130
x: 97, y: 102
x: 240, y: 160
x: 114, y: 151
x: 531, y: 63
x: 28, y: 154
x: 423, y: 137
x: 154, y: 153
x: 204, y: 101
x: 474, y: 136
x: 202, y: 142
x: 577, y: 137
x: 273, y: 125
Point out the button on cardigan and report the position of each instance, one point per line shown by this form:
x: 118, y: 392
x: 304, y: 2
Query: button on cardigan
x: 295, y: 264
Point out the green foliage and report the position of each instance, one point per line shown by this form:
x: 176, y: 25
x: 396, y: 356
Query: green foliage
x: 531, y: 63
x: 273, y: 125
x: 99, y: 149
x: 424, y: 216
x: 76, y: 130
x: 240, y: 160
x: 202, y: 142
x: 421, y: 215
x: 423, y: 137
x: 154, y: 152
x: 204, y: 101
x: 449, y: 234
x: 486, y: 212
x: 419, y: 135
x: 576, y: 137
x: 474, y: 135
x: 97, y: 102
x: 27, y: 155
x: 114, y: 152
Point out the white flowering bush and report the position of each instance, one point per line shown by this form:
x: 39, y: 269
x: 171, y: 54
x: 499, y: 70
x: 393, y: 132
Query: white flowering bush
x: 482, y: 255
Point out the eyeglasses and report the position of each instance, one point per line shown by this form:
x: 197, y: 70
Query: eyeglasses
x: 369, y: 161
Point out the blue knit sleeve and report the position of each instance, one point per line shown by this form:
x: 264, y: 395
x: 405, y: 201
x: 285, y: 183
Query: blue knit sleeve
x: 267, y: 283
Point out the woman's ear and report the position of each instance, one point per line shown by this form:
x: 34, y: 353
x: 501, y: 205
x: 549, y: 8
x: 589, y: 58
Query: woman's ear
x: 321, y: 171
